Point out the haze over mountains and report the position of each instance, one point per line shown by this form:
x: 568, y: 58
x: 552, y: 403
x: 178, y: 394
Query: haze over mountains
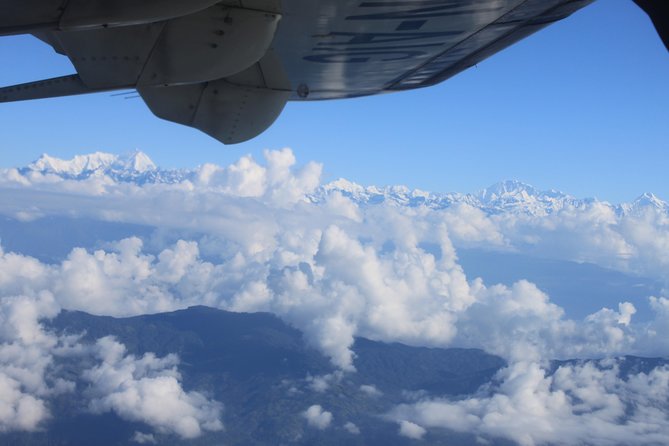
x: 335, y: 313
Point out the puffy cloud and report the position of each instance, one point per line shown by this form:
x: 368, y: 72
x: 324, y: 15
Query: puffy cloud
x: 317, y: 417
x: 143, y: 438
x: 594, y: 233
x: 338, y: 283
x: 411, y: 430
x: 18, y: 410
x: 20, y: 273
x: 469, y: 226
x: 521, y: 323
x: 278, y: 183
x: 26, y: 359
x: 103, y: 282
x: 147, y: 389
x: 351, y: 428
x: 648, y: 234
x: 586, y: 403
x: 322, y: 383
x: 245, y: 178
x: 141, y: 389
x: 370, y: 390
x: 286, y: 186
x: 338, y: 204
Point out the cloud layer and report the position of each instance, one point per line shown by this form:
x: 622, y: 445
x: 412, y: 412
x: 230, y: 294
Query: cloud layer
x: 250, y: 237
x: 145, y: 389
x: 334, y: 287
x: 587, y: 403
x: 218, y: 200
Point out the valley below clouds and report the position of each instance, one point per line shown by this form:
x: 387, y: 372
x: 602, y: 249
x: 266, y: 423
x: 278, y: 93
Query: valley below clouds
x: 116, y: 236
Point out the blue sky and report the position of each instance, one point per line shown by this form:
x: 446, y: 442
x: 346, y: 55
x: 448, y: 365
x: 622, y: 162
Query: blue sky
x: 580, y: 106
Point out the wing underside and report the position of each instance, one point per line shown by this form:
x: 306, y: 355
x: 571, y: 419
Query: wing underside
x: 227, y: 68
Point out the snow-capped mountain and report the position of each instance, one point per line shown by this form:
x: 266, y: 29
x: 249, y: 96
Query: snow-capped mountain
x: 399, y: 195
x: 643, y: 203
x: 506, y: 196
x: 513, y: 195
x: 135, y: 167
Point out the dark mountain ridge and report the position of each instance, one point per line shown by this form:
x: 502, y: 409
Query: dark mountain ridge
x: 263, y: 371
x: 266, y: 375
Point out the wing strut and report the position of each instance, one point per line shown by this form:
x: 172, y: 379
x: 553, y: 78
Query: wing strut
x: 48, y: 88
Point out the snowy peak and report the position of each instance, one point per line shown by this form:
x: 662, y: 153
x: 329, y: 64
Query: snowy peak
x: 513, y: 195
x: 137, y: 161
x: 394, y: 195
x: 506, y: 196
x: 647, y: 201
x: 507, y: 190
x: 74, y: 167
x: 345, y: 186
x: 510, y: 196
x: 135, y: 167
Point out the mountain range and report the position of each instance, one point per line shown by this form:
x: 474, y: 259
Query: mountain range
x: 264, y: 372
x: 506, y: 196
x: 266, y: 375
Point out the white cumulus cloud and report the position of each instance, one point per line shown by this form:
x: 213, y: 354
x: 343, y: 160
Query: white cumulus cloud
x: 26, y: 359
x: 147, y: 389
x: 352, y: 428
x: 317, y: 417
x: 411, y: 430
x: 587, y: 403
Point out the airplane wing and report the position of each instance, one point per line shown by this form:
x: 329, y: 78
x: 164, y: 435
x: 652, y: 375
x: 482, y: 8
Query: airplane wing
x: 658, y: 11
x: 228, y: 67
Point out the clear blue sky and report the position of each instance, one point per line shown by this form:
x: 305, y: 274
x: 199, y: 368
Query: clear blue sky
x: 582, y: 106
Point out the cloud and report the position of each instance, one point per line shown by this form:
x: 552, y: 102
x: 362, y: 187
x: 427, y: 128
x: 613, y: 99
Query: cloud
x: 251, y: 203
x: 335, y: 282
x: 370, y: 390
x: 252, y: 237
x: 586, y: 403
x: 278, y: 183
x: 351, y: 428
x: 147, y: 389
x: 18, y: 410
x: 19, y: 273
x: 317, y: 417
x: 140, y: 389
x: 26, y: 359
x: 143, y: 438
x: 322, y: 383
x: 411, y: 430
x: 594, y: 233
x: 469, y: 226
